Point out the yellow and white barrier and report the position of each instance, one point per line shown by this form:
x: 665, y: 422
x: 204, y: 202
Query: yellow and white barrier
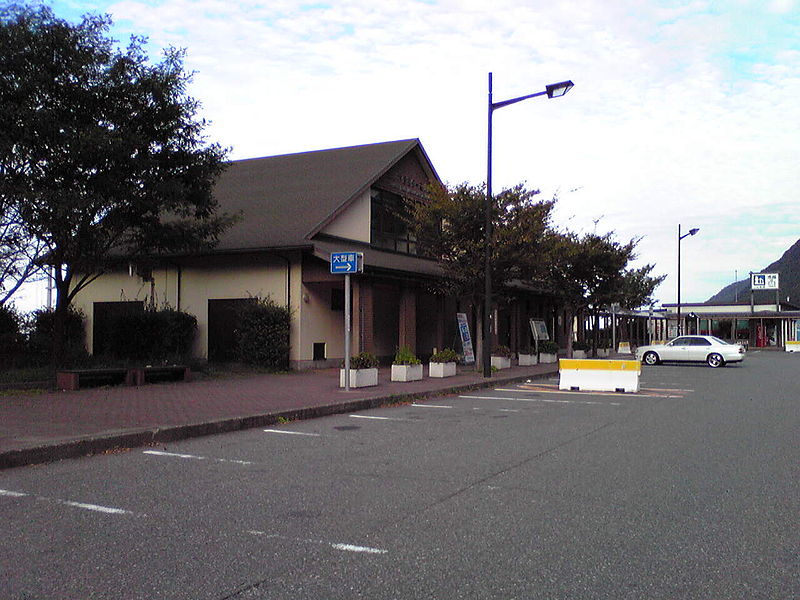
x: 599, y: 375
x: 624, y: 348
x: 793, y: 346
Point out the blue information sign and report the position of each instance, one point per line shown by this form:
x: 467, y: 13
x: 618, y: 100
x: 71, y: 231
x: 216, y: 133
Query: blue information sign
x: 346, y: 262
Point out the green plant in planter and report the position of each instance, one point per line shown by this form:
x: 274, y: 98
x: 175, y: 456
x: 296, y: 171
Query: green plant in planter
x: 503, y: 351
x: 445, y: 356
x: 548, y: 347
x: 580, y: 346
x: 364, y: 360
x: 405, y: 356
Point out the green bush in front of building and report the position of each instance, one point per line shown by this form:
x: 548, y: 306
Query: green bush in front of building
x: 262, y: 334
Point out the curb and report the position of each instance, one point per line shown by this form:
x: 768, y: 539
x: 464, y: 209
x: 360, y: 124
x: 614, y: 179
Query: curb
x: 137, y: 438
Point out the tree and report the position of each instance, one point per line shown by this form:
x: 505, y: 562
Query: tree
x: 102, y: 155
x: 451, y: 228
x: 589, y: 272
x: 19, y: 253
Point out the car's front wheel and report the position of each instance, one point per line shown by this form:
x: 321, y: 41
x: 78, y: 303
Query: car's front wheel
x: 715, y: 360
x: 650, y: 358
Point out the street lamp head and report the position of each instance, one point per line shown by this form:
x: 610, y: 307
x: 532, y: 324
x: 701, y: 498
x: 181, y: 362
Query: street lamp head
x: 556, y: 90
x: 693, y: 231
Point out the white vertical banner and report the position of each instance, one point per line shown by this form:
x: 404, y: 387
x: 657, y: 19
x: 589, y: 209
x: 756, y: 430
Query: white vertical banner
x: 466, y: 339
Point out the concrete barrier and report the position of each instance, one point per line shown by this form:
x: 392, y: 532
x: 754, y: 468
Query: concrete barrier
x: 599, y: 375
x: 624, y: 348
x: 793, y: 346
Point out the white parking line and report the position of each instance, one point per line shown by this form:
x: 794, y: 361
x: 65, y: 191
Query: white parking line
x: 93, y: 507
x: 544, y: 400
x: 375, y: 418
x: 430, y: 405
x: 291, y: 432
x: 334, y: 545
x: 96, y: 508
x: 193, y: 457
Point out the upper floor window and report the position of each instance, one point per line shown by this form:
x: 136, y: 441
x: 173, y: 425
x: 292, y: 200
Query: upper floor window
x: 388, y: 227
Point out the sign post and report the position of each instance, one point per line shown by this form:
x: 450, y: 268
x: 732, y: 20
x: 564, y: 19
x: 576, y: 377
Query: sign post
x: 347, y: 263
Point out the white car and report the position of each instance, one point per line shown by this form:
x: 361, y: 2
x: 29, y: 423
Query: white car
x: 692, y: 348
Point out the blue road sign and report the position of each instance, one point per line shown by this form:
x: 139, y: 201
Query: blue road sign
x: 346, y: 262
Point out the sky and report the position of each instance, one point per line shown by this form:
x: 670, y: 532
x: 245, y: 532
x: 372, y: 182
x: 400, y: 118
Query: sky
x: 684, y: 112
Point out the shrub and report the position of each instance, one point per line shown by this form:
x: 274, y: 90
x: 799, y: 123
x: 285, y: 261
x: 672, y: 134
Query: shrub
x: 41, y: 326
x: 363, y: 360
x: 503, y: 351
x: 262, y: 334
x: 11, y: 340
x: 445, y: 356
x: 580, y: 346
x: 548, y: 347
x: 153, y: 336
x: 405, y: 356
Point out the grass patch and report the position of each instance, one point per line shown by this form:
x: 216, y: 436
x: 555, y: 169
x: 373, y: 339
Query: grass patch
x: 25, y: 375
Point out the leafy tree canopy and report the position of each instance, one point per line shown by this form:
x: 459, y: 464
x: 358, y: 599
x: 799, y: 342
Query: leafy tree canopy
x: 101, y: 153
x: 591, y: 271
x: 451, y: 228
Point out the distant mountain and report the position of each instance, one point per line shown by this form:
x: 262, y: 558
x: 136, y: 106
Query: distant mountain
x: 787, y: 266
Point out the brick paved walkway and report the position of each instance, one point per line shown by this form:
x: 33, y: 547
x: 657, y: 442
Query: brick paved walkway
x: 53, y: 425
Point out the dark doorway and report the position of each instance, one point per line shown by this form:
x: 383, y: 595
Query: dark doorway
x: 222, y: 320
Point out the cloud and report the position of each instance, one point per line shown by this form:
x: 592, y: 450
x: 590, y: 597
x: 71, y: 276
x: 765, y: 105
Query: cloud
x: 682, y: 112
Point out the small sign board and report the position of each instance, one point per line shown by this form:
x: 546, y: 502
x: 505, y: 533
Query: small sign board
x: 539, y: 329
x: 347, y: 262
x: 764, y: 281
x: 466, y: 339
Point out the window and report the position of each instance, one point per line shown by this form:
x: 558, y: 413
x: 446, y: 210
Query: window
x: 388, y: 227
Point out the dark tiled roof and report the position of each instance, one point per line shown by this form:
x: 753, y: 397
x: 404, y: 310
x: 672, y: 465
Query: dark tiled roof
x: 284, y: 199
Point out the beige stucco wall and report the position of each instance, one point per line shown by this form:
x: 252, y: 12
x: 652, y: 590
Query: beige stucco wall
x: 353, y: 223
x: 224, y: 277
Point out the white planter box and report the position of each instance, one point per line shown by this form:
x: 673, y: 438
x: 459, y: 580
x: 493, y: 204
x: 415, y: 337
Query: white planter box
x: 359, y: 377
x: 527, y: 360
x: 501, y: 362
x: 603, y: 352
x: 545, y: 358
x: 579, y: 354
x: 406, y: 372
x: 447, y: 369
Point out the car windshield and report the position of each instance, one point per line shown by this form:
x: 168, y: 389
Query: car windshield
x: 719, y: 341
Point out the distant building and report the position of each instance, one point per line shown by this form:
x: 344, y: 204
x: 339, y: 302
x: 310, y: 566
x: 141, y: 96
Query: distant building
x: 760, y: 325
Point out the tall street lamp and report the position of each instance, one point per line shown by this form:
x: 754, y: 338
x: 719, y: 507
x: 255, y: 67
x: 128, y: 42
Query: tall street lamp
x: 554, y: 90
x: 680, y: 237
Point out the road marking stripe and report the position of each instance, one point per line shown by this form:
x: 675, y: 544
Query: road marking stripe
x: 193, y: 457
x: 97, y: 508
x: 375, y: 418
x: 514, y: 410
x: 351, y: 548
x: 430, y: 405
x: 93, y: 507
x: 336, y: 545
x: 291, y: 432
x: 545, y: 400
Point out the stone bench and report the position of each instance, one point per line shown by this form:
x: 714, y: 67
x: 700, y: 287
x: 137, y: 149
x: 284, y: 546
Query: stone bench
x: 74, y: 379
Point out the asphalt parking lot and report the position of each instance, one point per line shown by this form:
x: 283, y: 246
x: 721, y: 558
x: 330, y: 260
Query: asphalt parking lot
x: 687, y: 489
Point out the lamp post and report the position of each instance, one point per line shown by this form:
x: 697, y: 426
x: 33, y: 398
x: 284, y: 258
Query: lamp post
x: 680, y: 237
x: 554, y: 90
